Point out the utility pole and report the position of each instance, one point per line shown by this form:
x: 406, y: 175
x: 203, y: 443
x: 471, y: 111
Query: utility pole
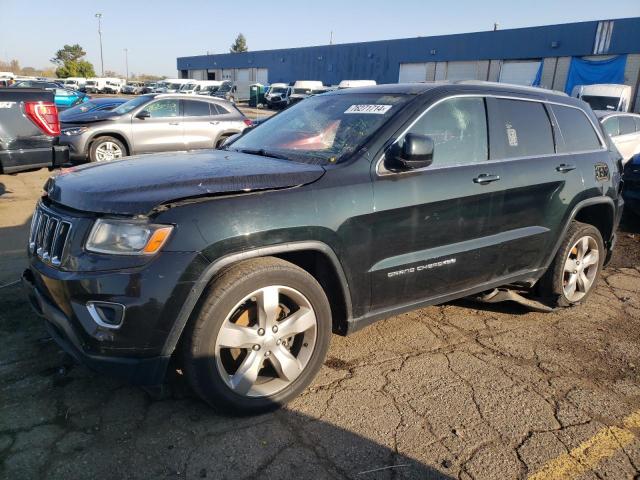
x: 331, y: 38
x: 99, y: 17
x: 126, y: 61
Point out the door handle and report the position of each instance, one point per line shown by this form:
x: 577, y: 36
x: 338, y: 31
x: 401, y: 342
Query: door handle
x: 484, y: 178
x: 214, y: 123
x: 564, y: 168
x: 174, y: 123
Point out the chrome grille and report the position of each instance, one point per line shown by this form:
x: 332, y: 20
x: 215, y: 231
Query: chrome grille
x: 48, y: 236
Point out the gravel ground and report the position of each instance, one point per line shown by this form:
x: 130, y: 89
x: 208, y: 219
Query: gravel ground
x: 455, y: 391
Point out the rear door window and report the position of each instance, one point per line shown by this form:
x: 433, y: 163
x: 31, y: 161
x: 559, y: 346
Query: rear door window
x: 519, y: 128
x: 627, y: 125
x: 193, y: 108
x: 577, y: 130
x: 458, y: 128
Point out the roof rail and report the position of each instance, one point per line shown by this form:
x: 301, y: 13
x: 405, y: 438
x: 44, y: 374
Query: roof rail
x: 511, y: 85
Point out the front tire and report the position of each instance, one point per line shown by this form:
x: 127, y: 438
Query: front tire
x: 576, y: 268
x: 259, y: 338
x: 104, y: 149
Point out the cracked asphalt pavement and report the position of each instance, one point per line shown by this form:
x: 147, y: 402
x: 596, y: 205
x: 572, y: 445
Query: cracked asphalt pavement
x: 462, y: 390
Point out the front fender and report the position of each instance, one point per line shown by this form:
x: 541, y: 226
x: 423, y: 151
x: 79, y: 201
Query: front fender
x: 232, y: 258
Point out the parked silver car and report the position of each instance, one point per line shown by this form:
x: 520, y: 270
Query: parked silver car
x: 153, y: 123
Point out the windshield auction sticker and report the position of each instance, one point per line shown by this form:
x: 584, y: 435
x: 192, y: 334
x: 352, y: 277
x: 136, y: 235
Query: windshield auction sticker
x: 372, y: 109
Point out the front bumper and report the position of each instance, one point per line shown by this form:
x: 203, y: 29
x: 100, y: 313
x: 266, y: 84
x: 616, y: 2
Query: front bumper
x: 150, y: 297
x: 77, y: 145
x: 138, y: 371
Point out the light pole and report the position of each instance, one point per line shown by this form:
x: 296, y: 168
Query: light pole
x: 99, y: 17
x: 126, y: 61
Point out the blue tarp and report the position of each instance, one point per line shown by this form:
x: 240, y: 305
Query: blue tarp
x: 589, y: 72
x: 538, y: 79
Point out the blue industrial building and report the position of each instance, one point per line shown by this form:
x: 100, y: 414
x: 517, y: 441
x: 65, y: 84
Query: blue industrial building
x: 534, y: 55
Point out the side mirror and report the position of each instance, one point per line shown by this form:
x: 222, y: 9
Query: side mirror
x: 143, y: 114
x: 416, y: 152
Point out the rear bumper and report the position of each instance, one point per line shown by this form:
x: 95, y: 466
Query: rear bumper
x: 137, y: 371
x: 14, y: 161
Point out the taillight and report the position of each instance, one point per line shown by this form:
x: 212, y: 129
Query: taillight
x: 248, y: 122
x: 44, y: 115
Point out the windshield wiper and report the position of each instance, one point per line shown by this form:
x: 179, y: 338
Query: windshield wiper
x: 262, y: 153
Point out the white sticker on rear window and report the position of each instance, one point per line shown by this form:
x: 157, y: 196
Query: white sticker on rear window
x: 374, y: 109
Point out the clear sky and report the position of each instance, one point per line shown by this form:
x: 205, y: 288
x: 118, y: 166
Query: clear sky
x: 156, y: 32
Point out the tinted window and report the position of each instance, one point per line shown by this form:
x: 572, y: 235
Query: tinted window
x: 458, y: 129
x: 163, y: 108
x: 627, y: 125
x: 612, y: 126
x: 196, y: 109
x: 519, y: 129
x: 577, y: 130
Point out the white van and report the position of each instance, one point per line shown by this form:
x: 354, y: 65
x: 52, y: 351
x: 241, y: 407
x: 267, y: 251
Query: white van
x: 277, y: 95
x: 171, y: 85
x: 95, y: 85
x: 356, y: 83
x: 303, y: 88
x: 75, y: 83
x: 200, y: 87
x: 605, y: 96
x: 114, y: 85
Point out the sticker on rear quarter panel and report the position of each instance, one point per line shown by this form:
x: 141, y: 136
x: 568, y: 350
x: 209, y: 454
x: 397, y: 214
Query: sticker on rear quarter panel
x: 372, y: 109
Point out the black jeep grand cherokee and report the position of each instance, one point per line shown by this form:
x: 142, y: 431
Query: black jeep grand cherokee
x: 347, y: 208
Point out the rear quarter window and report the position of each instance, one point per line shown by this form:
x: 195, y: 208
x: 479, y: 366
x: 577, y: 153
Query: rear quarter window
x: 218, y: 109
x: 577, y: 130
x: 519, y: 128
x: 612, y: 126
x: 627, y: 125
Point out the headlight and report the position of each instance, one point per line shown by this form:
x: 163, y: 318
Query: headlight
x: 74, y: 131
x: 127, y: 238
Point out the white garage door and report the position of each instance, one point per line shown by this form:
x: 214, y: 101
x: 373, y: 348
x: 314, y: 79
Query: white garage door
x: 262, y: 76
x: 412, y: 72
x: 519, y: 73
x: 462, y: 71
x: 243, y: 75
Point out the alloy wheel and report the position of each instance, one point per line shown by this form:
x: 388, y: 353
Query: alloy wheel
x: 108, y: 151
x: 580, y: 268
x: 266, y: 341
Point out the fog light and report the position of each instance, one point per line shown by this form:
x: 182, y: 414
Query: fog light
x: 106, y: 314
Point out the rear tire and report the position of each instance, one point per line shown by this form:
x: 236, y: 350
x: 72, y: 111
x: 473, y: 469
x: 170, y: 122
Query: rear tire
x: 105, y: 149
x: 259, y: 337
x: 576, y: 268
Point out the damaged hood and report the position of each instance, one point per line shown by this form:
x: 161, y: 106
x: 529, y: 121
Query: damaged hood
x: 135, y: 185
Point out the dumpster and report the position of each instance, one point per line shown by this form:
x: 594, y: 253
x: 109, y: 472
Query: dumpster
x: 256, y: 94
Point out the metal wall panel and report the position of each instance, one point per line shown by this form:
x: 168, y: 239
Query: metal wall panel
x: 560, y: 77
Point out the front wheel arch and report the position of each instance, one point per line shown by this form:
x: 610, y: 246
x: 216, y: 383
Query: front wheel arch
x: 283, y: 251
x: 108, y: 134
